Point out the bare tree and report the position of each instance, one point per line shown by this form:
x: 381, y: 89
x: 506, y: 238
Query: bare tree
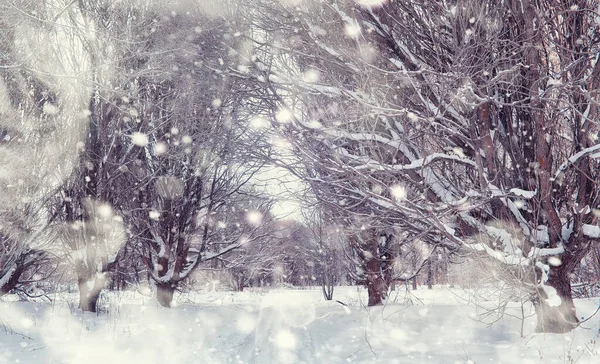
x: 90, y: 204
x: 255, y: 262
x: 165, y: 154
x: 190, y: 159
x: 467, y: 124
x: 326, y: 252
x: 44, y: 92
x: 24, y: 250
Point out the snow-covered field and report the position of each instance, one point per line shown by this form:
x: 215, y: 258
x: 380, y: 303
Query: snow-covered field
x: 286, y: 326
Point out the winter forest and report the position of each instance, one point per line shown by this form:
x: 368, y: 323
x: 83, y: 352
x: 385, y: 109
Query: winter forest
x: 299, y: 181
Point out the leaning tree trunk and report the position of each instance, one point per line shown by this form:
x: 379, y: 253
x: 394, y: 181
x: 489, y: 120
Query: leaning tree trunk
x: 164, y: 293
x: 8, y: 284
x: 11, y: 277
x: 555, y: 316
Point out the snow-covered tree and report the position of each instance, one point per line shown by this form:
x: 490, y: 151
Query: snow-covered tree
x: 466, y: 124
x: 23, y: 249
x: 44, y: 80
x: 192, y: 155
x: 325, y: 251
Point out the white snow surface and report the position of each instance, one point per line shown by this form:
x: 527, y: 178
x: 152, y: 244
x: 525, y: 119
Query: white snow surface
x: 285, y: 326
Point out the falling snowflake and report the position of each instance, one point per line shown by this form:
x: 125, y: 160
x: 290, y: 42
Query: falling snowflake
x: 259, y: 123
x: 285, y: 340
x: 284, y: 115
x: 352, y: 30
x: 554, y: 261
x: 254, y: 217
x: 160, y: 148
x: 104, y: 210
x: 49, y: 109
x: 398, y: 192
x: 139, y: 139
x: 154, y: 215
x: 311, y: 76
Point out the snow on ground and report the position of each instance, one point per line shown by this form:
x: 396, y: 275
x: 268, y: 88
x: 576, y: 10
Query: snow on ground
x: 286, y: 326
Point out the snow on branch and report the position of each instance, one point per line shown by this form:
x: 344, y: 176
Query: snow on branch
x: 7, y: 275
x: 208, y: 256
x: 359, y: 137
x: 416, y: 164
x: 593, y: 150
x: 431, y: 158
x: 522, y: 193
x: 545, y: 252
x: 499, y: 255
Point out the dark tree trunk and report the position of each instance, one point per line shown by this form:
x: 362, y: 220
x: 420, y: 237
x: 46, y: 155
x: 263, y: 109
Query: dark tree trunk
x: 164, y: 294
x: 11, y: 283
x: 239, y: 282
x: 376, y: 285
x: 430, y: 272
x: 414, y: 284
x: 327, y: 287
x: 556, y: 318
x: 23, y: 263
x: 376, y: 294
x: 376, y: 265
x: 327, y: 279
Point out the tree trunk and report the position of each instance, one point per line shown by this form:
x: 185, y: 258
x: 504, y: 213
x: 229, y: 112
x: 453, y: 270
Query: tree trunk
x: 429, y: 273
x: 239, y: 282
x: 377, y: 266
x: 443, y: 266
x: 556, y: 318
x: 376, y: 285
x: 414, y: 284
x: 11, y: 282
x: 327, y: 290
x: 376, y: 294
x: 23, y: 262
x: 88, y: 298
x: 164, y: 294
